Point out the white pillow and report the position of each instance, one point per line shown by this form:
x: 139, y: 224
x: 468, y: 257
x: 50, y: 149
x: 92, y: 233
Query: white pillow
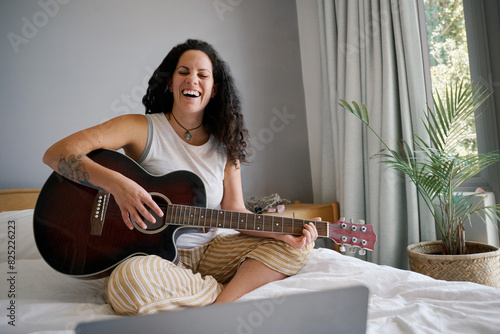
x: 16, y: 236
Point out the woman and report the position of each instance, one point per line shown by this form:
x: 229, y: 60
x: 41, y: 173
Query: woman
x: 193, y: 122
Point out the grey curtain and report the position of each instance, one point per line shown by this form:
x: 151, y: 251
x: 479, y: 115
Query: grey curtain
x: 371, y: 52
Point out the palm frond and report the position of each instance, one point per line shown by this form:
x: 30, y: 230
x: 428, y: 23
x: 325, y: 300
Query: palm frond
x: 444, y: 126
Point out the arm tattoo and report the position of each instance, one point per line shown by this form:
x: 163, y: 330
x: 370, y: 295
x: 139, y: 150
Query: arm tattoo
x: 73, y: 169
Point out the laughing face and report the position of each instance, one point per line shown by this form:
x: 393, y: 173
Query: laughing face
x: 192, y: 83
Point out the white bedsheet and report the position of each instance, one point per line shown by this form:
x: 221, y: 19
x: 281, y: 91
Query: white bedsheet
x: 400, y: 301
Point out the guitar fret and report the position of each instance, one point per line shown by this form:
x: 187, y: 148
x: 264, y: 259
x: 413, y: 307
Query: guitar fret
x: 168, y: 214
x: 193, y: 216
x: 179, y: 212
x: 267, y: 225
x: 183, y: 209
x: 195, y: 210
x: 199, y: 216
x: 258, y: 227
x: 207, y: 211
x: 173, y: 214
x: 176, y: 219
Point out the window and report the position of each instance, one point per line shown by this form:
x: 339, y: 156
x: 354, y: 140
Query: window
x: 449, y: 57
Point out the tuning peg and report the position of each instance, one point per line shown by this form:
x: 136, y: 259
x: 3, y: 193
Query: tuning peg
x: 342, y: 219
x: 362, y: 252
x: 362, y: 222
x: 342, y: 249
x: 352, y: 250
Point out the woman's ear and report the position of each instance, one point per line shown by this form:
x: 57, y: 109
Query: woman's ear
x: 214, y: 90
x: 169, y: 84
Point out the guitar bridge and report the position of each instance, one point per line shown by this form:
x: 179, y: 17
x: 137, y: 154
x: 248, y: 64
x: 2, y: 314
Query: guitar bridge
x: 98, y: 212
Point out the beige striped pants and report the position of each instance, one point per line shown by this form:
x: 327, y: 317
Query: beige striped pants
x: 150, y: 284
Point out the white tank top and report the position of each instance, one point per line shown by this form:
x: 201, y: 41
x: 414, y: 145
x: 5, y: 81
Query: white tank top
x: 165, y: 152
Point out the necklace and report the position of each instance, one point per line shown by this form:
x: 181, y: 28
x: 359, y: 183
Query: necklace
x: 187, y: 135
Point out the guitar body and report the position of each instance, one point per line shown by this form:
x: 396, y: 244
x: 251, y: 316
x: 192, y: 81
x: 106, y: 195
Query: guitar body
x: 67, y: 239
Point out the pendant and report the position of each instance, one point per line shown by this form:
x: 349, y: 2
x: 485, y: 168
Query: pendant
x: 187, y: 135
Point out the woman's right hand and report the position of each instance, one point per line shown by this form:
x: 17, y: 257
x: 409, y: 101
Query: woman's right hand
x: 134, y: 202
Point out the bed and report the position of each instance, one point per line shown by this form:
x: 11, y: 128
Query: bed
x: 35, y: 298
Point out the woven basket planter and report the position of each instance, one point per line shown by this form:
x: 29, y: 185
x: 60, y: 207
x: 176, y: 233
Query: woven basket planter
x: 481, y: 265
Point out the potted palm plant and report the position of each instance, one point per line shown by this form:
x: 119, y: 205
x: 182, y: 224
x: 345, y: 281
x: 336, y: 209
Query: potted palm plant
x: 438, y: 173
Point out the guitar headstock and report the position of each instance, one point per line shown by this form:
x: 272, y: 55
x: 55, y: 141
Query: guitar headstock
x: 350, y: 234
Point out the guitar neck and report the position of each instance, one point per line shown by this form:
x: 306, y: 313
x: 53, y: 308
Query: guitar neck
x: 203, y: 217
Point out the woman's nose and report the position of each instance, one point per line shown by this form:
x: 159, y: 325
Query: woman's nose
x: 192, y: 79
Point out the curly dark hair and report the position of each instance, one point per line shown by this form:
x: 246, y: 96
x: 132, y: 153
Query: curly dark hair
x: 222, y: 115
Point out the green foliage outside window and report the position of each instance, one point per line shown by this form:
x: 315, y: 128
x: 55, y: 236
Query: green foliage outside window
x: 449, y: 58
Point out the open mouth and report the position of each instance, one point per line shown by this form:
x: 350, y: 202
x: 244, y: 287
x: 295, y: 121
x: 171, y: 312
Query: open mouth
x: 190, y: 93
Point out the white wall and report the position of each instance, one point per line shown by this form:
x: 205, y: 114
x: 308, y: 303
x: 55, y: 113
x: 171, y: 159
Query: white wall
x: 67, y: 65
x: 308, y: 20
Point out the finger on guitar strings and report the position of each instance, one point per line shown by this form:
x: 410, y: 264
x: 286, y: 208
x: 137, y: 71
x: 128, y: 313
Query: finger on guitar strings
x: 150, y: 203
x: 126, y: 219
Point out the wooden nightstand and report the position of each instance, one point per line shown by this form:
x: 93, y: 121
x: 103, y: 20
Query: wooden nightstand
x: 327, y: 212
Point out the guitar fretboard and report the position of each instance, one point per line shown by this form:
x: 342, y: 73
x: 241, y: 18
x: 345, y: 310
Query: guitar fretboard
x: 203, y: 217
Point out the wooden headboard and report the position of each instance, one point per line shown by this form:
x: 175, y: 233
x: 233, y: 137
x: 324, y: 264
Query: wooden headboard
x: 18, y: 199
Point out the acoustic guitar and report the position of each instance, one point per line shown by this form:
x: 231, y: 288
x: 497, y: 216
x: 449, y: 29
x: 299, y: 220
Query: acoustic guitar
x: 79, y: 230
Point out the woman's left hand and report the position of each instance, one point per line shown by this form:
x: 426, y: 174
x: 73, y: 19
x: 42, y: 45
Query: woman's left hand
x: 309, y: 234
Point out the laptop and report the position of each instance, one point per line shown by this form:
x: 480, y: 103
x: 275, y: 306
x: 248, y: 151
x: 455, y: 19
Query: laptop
x: 329, y: 311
